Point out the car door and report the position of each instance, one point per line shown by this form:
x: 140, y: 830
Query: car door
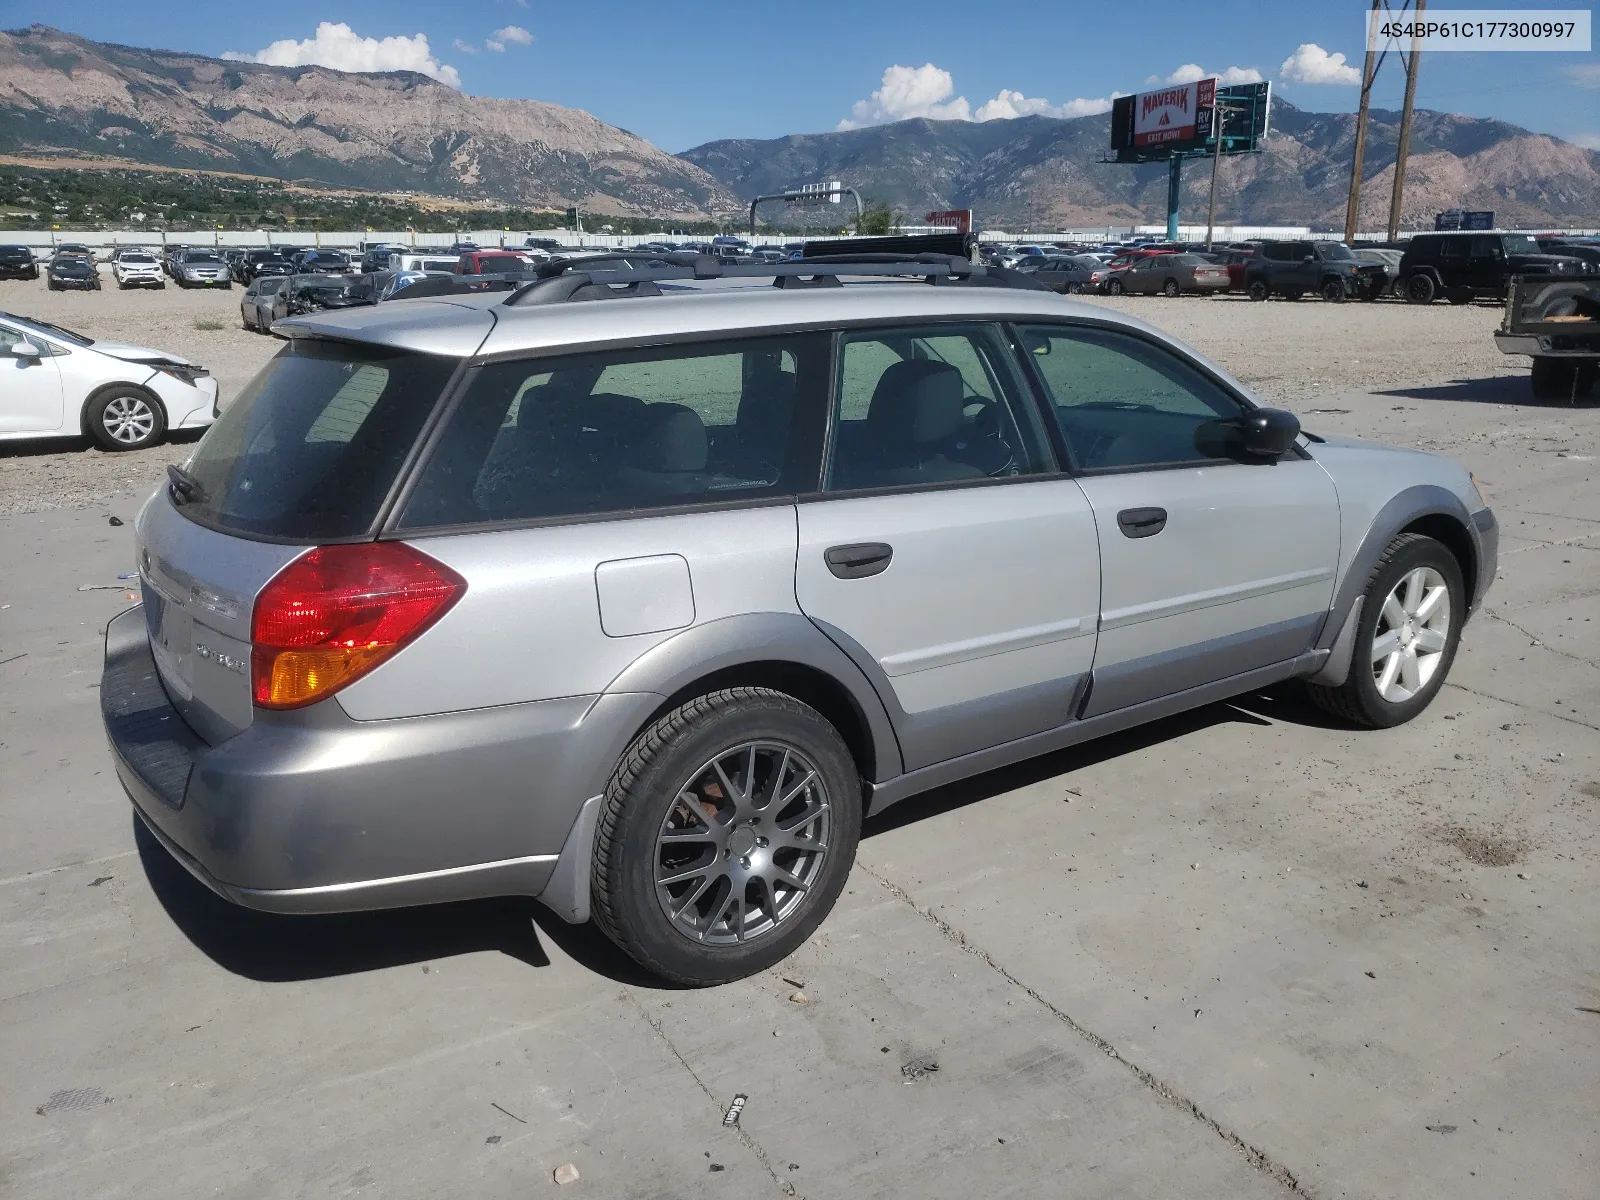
x: 1211, y: 566
x: 30, y: 388
x: 1486, y: 263
x: 945, y: 552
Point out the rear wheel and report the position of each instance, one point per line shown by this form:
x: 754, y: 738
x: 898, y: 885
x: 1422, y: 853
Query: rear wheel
x: 1420, y: 289
x: 1406, y: 639
x: 1074, y: 288
x: 125, y: 418
x: 1114, y: 288
x: 1258, y: 289
x: 726, y: 835
x: 1333, y: 291
x: 1170, y: 288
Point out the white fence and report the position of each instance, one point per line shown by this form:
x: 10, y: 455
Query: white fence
x: 344, y: 240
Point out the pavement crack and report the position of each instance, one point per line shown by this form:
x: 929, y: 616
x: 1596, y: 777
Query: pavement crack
x: 717, y: 1102
x: 1519, y: 704
x: 1537, y: 640
x: 1254, y: 1155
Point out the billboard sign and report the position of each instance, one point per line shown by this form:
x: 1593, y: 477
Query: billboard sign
x: 1180, y: 120
x: 1180, y: 115
x: 1454, y: 218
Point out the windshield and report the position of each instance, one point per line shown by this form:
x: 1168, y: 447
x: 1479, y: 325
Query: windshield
x: 323, y: 284
x: 261, y: 256
x: 1521, y: 244
x: 66, y: 335
x: 313, y: 444
x: 137, y: 258
x: 202, y: 256
x: 1336, y: 251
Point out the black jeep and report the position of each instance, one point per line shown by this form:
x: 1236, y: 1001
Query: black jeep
x: 1464, y: 266
x: 1291, y: 269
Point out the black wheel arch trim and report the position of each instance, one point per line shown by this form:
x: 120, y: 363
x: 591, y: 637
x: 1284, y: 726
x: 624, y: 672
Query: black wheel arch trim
x: 1403, y: 510
x: 709, y: 653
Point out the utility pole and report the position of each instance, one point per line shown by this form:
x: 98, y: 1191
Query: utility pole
x: 1412, y: 61
x: 1220, y: 123
x: 1174, y: 180
x: 1352, y: 212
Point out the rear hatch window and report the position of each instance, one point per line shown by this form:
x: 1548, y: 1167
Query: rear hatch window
x: 311, y: 447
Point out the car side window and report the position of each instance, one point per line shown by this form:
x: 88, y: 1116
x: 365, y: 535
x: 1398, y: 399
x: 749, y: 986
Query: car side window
x: 934, y: 405
x: 1124, y: 403
x: 1485, y: 247
x: 1453, y: 247
x: 629, y: 430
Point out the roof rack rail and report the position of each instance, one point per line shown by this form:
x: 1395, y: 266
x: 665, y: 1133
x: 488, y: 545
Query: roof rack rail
x: 600, y: 277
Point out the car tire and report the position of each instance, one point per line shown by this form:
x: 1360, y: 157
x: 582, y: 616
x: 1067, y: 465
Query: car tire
x: 1556, y: 379
x: 125, y: 418
x: 1170, y: 289
x: 1399, y: 611
x: 650, y: 855
x: 248, y: 323
x: 1074, y: 288
x: 1258, y: 290
x: 1114, y: 288
x: 1333, y: 291
x: 1420, y: 289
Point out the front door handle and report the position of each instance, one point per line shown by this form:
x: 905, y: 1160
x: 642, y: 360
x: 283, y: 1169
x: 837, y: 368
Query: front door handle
x: 858, y: 560
x: 1142, y: 522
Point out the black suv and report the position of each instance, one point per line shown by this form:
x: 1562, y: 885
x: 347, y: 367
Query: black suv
x: 1463, y: 266
x: 1291, y: 269
x: 17, y: 262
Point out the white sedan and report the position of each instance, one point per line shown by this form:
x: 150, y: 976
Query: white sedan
x: 56, y: 383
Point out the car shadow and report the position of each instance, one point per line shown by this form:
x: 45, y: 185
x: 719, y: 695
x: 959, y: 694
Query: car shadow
x: 39, y: 447
x: 275, y: 948
x: 1495, y: 389
x: 1062, y: 762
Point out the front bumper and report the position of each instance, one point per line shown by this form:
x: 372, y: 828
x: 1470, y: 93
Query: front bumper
x: 311, y: 811
x: 87, y: 285
x: 1487, y: 529
x: 143, y: 280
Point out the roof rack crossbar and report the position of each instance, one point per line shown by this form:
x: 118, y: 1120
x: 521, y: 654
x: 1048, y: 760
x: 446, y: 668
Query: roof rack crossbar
x: 596, y: 269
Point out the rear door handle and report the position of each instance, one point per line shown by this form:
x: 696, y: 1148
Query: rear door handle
x: 1142, y: 522
x: 858, y: 560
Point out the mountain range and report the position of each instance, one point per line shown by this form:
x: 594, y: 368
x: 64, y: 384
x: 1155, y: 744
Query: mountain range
x: 63, y: 96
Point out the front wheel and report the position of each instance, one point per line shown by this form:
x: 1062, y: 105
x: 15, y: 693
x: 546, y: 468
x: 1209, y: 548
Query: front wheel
x: 1406, y: 639
x: 725, y: 836
x: 1333, y: 291
x: 1114, y: 288
x: 1074, y: 288
x: 1420, y: 289
x: 125, y: 418
x: 1258, y: 290
x: 1170, y: 289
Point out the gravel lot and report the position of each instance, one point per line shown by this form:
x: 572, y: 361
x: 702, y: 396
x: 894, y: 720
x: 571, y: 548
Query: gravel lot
x: 1293, y: 354
x: 1242, y: 953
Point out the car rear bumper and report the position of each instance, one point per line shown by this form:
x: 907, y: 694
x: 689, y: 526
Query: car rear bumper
x: 310, y: 811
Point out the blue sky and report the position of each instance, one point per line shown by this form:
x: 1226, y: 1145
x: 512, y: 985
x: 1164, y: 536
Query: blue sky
x: 689, y: 72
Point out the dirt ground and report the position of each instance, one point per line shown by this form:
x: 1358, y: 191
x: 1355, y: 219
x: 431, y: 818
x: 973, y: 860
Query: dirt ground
x: 1293, y: 354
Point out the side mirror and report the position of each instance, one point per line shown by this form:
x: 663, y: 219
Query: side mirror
x: 26, y: 350
x: 1268, y: 432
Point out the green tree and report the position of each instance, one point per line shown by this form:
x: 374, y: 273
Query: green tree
x: 877, y: 219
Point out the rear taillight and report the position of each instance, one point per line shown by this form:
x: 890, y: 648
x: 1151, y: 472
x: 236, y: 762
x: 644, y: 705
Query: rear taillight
x: 336, y: 612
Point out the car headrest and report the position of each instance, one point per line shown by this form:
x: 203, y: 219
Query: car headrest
x: 668, y: 438
x: 918, y: 400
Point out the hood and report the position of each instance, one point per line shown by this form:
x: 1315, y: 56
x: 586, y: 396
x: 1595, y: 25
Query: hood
x: 139, y: 354
x: 1558, y: 263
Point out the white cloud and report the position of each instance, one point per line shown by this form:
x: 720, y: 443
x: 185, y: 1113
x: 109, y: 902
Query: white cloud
x: 1589, y: 141
x: 1190, y: 72
x: 1010, y: 104
x: 514, y: 35
x: 926, y: 91
x: 464, y: 47
x: 1312, y: 64
x: 909, y: 92
x: 340, y: 47
x: 1585, y: 75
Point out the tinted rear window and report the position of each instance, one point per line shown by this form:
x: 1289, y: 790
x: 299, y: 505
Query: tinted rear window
x: 629, y: 430
x: 312, y: 445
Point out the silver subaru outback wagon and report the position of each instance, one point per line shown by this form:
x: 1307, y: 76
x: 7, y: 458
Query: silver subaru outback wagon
x: 636, y: 591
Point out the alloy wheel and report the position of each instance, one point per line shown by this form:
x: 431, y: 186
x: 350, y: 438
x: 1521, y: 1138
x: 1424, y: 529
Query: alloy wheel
x: 129, y: 419
x: 1412, y: 633
x: 743, y: 843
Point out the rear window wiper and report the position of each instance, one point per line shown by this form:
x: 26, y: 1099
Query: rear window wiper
x: 183, y: 486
